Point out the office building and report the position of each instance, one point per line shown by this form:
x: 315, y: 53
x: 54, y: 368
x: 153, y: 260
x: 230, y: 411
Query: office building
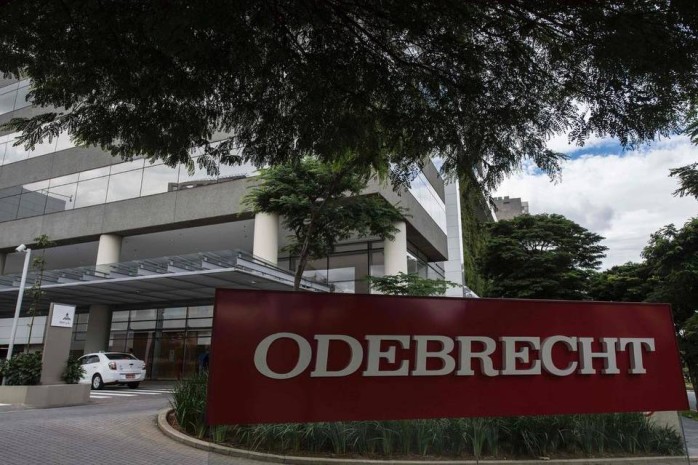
x: 507, y: 208
x: 140, y: 246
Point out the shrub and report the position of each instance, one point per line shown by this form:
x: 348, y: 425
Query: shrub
x: 189, y: 404
x: 22, y: 369
x: 73, y: 370
x: 564, y: 435
x: 582, y: 435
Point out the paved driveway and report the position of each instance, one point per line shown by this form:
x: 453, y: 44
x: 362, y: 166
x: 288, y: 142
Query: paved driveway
x: 114, y: 430
x: 117, y: 429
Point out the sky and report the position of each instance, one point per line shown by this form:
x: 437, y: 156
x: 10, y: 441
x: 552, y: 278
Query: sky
x: 624, y: 196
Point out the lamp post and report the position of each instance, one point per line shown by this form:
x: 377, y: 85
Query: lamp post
x: 20, y: 295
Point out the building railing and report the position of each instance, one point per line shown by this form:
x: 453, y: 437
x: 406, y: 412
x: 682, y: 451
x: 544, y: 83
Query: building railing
x: 170, y: 266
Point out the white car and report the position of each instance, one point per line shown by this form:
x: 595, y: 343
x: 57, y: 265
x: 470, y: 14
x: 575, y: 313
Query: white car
x: 112, y: 368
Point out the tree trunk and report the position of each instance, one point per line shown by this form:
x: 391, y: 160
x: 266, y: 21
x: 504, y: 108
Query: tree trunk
x: 303, y: 256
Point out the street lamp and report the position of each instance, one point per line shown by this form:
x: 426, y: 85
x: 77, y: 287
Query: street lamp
x: 28, y: 252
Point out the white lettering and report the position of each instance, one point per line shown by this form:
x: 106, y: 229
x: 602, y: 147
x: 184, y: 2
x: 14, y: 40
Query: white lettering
x: 435, y: 355
x: 546, y: 355
x: 323, y: 350
x: 467, y: 355
x: 423, y: 354
x: 608, y: 354
x: 375, y: 355
x: 304, y: 355
x: 513, y: 356
x: 636, y: 344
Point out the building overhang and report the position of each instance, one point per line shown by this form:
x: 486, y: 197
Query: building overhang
x: 185, y: 278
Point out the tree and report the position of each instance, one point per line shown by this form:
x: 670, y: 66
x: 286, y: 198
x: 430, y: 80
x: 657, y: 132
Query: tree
x: 688, y: 174
x: 321, y: 204
x: 688, y: 177
x: 540, y: 256
x: 630, y: 282
x: 483, y: 84
x: 409, y: 284
x: 474, y: 218
x: 672, y: 257
x: 41, y: 242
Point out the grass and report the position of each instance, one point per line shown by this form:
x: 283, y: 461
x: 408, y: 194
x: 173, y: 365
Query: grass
x: 550, y: 436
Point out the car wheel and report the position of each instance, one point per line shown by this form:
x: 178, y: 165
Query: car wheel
x: 97, y: 382
x: 134, y: 385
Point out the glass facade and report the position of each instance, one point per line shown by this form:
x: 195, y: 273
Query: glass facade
x: 170, y: 340
x: 14, y: 96
x: 428, y: 198
x: 346, y: 269
x: 122, y: 181
x: 11, y: 154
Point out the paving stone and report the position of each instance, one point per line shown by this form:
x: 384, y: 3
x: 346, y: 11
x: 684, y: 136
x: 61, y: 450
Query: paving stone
x: 118, y: 432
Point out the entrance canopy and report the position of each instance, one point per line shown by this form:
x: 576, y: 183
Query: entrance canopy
x: 155, y: 280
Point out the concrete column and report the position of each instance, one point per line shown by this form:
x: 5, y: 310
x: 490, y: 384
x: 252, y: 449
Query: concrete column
x: 3, y: 258
x: 99, y: 320
x: 395, y: 251
x: 98, y: 326
x: 109, y: 249
x: 453, y: 268
x: 266, y: 237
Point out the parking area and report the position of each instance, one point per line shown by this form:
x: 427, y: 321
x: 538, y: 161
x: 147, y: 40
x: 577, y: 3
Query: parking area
x: 153, y: 390
x: 121, y: 393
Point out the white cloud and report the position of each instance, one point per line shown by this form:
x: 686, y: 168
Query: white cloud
x: 560, y: 143
x: 623, y: 197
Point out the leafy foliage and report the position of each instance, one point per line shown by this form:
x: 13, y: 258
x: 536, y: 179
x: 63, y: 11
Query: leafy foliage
x: 189, y: 403
x: 484, y: 84
x: 474, y: 233
x: 73, y: 370
x: 688, y: 178
x: 321, y: 204
x: 587, y: 435
x: 540, y: 256
x: 35, y: 292
x: 409, y: 284
x: 578, y: 435
x: 688, y: 344
x: 672, y: 257
x: 692, y: 127
x: 624, y: 283
x: 23, y: 369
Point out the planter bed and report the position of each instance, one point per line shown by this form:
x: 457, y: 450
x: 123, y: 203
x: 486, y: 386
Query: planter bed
x: 45, y: 396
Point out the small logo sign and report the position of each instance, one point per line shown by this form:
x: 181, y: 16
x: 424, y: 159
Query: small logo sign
x: 63, y: 315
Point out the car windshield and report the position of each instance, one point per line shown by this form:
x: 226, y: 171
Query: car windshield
x: 120, y: 357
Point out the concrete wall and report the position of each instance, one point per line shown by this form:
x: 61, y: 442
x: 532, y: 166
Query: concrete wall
x: 53, y: 395
x: 209, y: 204
x: 422, y: 230
x: 508, y: 208
x: 54, y: 164
x: 432, y: 175
x: 214, y: 203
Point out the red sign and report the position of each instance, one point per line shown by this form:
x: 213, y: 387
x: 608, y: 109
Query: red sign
x: 304, y: 357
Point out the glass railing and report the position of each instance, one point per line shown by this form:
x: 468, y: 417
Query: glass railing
x: 9, y: 153
x: 170, y: 266
x: 122, y: 181
x: 14, y: 96
x: 427, y: 197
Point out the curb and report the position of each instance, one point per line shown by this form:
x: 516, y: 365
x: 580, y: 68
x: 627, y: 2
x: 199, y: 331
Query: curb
x: 172, y: 433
